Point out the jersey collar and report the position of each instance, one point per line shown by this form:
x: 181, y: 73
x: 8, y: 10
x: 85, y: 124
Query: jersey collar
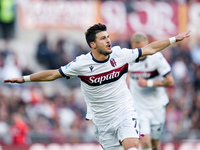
x: 98, y: 60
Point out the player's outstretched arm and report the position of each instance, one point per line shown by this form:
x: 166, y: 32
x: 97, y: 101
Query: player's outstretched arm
x: 154, y: 47
x: 48, y: 75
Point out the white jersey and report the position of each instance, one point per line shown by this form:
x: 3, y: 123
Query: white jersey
x: 103, y: 83
x: 153, y: 67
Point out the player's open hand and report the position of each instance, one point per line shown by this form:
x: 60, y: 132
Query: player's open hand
x: 182, y: 36
x: 14, y: 80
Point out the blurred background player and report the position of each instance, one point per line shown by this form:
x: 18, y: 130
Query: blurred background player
x: 146, y: 80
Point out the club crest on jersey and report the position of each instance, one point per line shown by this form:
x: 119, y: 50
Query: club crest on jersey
x: 113, y: 62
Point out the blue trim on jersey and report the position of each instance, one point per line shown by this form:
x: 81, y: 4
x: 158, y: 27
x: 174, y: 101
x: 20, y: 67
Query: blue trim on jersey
x: 61, y: 72
x: 98, y: 60
x: 167, y: 73
x: 140, y: 54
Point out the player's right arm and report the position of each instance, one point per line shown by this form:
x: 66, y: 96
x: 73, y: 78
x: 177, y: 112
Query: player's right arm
x: 47, y: 75
x: 167, y: 82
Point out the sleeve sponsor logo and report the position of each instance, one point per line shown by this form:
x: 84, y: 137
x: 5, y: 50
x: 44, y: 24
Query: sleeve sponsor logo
x: 69, y: 64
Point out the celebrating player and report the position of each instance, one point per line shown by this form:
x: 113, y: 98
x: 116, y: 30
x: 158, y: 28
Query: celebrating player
x: 103, y: 83
x: 146, y: 80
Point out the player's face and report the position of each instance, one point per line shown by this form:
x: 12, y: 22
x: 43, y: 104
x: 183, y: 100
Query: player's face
x: 103, y: 43
x: 139, y: 45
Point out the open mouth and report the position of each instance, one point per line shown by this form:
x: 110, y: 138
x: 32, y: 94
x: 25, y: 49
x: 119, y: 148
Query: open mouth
x: 109, y: 46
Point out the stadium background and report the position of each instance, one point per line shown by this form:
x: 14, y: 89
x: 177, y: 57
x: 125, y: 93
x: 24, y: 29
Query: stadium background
x: 50, y: 33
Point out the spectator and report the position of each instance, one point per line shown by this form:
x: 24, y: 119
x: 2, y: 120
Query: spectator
x: 7, y: 19
x: 19, y: 130
x: 43, y: 53
x: 58, y: 56
x: 195, y: 53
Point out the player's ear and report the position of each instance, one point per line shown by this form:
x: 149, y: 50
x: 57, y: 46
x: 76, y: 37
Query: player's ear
x: 93, y: 44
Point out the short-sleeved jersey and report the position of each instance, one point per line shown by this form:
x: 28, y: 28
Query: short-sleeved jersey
x: 154, y: 67
x: 103, y: 83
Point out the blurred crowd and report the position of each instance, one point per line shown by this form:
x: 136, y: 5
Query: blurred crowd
x: 55, y: 112
x: 127, y: 1
x: 42, y: 112
x: 183, y: 110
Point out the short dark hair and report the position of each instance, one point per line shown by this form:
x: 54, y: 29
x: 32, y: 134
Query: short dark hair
x: 90, y: 34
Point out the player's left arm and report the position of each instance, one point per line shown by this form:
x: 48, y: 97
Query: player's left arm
x: 167, y: 82
x: 154, y: 47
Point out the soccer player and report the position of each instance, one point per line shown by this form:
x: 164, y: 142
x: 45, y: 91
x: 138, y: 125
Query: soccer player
x: 146, y: 80
x: 103, y: 83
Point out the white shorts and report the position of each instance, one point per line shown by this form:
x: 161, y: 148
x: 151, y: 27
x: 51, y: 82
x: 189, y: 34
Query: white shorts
x: 152, y: 121
x: 110, y: 136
